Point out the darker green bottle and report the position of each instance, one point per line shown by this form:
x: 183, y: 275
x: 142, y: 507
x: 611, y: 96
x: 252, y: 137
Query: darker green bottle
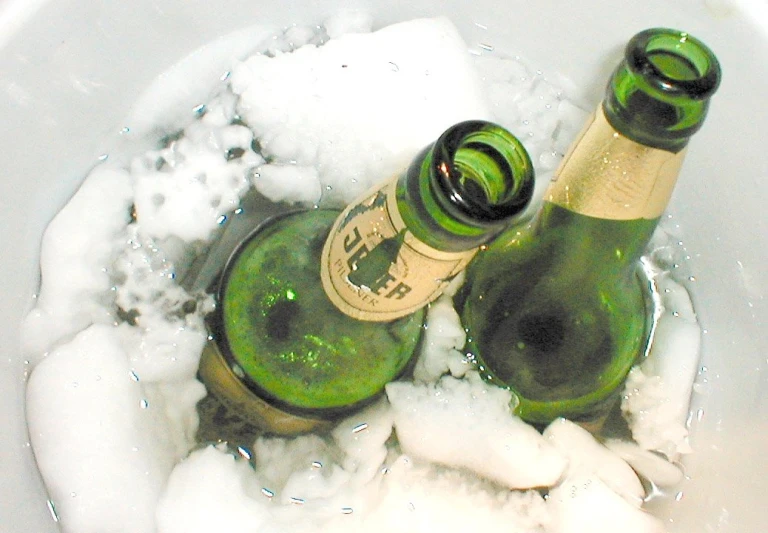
x: 557, y: 311
x: 318, y: 310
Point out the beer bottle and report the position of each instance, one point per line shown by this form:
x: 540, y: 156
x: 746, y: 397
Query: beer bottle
x: 557, y: 311
x: 317, y: 310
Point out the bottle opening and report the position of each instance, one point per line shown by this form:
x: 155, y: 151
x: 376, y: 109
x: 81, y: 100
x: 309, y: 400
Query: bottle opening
x: 484, y: 173
x: 674, y: 63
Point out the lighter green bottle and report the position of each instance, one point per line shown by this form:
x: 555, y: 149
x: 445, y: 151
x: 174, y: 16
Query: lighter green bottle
x: 557, y: 311
x: 318, y: 310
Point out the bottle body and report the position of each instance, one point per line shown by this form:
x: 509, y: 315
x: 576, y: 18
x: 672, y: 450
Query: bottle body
x: 286, y: 354
x: 318, y: 310
x: 558, y: 321
x: 558, y: 311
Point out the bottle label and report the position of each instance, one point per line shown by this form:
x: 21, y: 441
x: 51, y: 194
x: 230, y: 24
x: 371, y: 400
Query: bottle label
x: 606, y: 175
x: 374, y: 269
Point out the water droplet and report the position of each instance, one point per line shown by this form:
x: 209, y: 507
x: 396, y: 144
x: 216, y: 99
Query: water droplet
x: 268, y: 493
x: 134, y: 376
x: 360, y: 427
x: 52, y: 510
x: 700, y: 388
x: 245, y: 453
x: 346, y: 510
x: 144, y: 404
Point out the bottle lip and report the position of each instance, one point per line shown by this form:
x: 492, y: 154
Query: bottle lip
x: 464, y: 205
x: 639, y: 53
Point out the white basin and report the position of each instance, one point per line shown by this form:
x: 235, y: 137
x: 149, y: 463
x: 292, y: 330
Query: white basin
x: 70, y: 70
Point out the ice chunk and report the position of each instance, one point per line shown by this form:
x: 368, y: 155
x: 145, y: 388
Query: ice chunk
x: 585, y: 503
x: 177, y: 400
x: 348, y: 21
x: 167, y: 105
x: 588, y: 457
x: 418, y: 498
x: 443, y: 338
x: 210, y: 491
x: 648, y: 464
x: 278, y: 458
x: 185, y: 189
x: 468, y: 424
x: 289, y: 183
x: 100, y: 445
x: 78, y: 244
x: 164, y: 351
x: 362, y: 437
x: 657, y: 394
x: 361, y: 106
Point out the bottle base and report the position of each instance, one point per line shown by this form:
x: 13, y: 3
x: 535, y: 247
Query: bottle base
x: 232, y: 411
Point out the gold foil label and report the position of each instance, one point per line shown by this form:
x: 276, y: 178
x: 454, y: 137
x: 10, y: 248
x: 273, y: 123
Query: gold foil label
x: 374, y: 269
x: 606, y: 175
x: 242, y: 404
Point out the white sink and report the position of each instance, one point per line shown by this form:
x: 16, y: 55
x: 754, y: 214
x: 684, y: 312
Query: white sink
x: 70, y: 70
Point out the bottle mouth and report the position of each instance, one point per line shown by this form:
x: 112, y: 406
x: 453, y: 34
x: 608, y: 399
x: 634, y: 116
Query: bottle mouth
x: 674, y: 63
x: 484, y: 174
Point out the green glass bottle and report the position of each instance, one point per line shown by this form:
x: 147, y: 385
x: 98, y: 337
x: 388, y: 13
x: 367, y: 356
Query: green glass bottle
x: 557, y: 311
x: 318, y: 310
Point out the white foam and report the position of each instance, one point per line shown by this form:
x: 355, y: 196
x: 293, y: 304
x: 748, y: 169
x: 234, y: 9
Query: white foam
x: 468, y: 424
x: 315, y: 106
x: 102, y: 450
x: 210, y: 481
x: 195, y: 184
x: 347, y: 484
x: 79, y: 242
x: 289, y: 183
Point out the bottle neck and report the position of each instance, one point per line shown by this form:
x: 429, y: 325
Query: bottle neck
x: 659, y: 94
x: 607, y: 197
x: 466, y: 188
x: 606, y: 175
